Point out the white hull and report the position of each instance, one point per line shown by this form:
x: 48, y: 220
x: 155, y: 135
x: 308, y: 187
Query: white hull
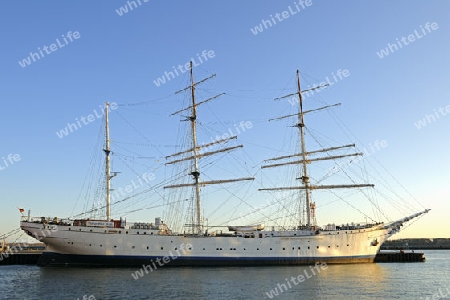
x: 108, y: 246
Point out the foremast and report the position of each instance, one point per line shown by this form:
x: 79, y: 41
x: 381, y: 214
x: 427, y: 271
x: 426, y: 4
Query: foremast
x: 306, y: 185
x: 195, y: 156
x: 305, y: 177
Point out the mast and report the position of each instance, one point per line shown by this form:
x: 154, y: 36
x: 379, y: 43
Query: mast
x: 195, y: 173
x: 107, y: 164
x: 305, y: 178
x: 195, y: 151
x: 306, y: 185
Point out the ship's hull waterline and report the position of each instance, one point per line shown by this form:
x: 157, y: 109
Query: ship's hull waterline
x: 56, y: 259
x: 93, y: 246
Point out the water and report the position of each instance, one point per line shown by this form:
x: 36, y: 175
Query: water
x: 359, y: 281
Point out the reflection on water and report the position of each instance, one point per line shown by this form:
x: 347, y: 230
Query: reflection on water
x: 357, y: 281
x: 370, y: 279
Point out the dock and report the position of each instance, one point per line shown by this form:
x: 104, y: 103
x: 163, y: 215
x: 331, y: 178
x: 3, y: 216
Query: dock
x: 20, y: 254
x: 401, y: 256
x: 19, y: 258
x: 417, y: 244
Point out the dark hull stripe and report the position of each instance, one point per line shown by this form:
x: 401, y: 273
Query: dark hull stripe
x: 56, y: 259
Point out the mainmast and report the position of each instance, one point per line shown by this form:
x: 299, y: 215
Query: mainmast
x: 195, y: 151
x: 195, y: 173
x: 306, y: 185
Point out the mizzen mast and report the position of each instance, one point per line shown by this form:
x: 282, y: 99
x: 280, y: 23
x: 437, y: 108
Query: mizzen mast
x: 195, y: 151
x: 107, y: 164
x: 108, y: 175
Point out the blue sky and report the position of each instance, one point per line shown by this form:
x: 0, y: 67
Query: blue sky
x: 118, y: 58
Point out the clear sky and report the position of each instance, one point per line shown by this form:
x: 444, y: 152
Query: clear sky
x: 61, y: 60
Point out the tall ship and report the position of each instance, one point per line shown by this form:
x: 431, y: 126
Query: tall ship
x: 115, y: 242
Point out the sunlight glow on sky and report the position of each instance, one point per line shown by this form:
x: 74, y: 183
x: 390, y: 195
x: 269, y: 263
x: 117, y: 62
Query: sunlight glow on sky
x: 386, y: 62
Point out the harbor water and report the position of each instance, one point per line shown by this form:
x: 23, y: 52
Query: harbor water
x: 358, y: 281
